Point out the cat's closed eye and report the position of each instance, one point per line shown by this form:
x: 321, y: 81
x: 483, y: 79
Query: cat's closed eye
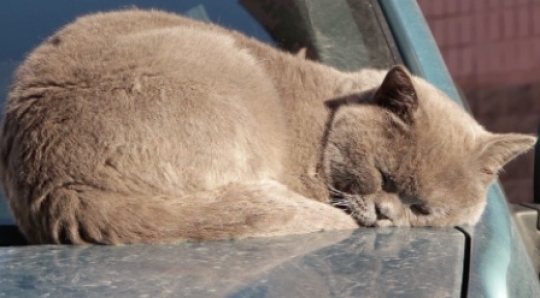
x: 387, y: 183
x: 419, y: 209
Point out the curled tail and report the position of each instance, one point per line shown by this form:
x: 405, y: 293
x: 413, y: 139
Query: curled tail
x: 77, y: 214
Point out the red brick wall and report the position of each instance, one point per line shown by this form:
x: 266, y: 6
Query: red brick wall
x: 492, y: 49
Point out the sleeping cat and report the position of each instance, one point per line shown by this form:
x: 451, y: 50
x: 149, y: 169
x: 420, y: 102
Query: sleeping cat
x: 145, y: 126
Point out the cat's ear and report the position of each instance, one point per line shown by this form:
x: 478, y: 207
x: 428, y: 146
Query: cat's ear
x: 397, y: 93
x: 502, y: 148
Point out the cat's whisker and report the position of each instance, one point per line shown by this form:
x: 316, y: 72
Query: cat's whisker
x: 335, y: 192
x: 340, y: 204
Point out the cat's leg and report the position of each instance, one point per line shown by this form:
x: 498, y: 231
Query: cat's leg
x: 378, y: 209
x: 261, y: 209
x: 81, y: 214
x: 382, y: 209
x: 392, y: 212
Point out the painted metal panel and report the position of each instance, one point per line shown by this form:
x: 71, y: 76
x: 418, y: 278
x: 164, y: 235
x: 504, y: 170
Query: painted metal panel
x: 391, y: 262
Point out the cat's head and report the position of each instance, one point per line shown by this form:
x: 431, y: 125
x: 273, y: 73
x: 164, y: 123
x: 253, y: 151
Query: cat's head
x: 402, y: 153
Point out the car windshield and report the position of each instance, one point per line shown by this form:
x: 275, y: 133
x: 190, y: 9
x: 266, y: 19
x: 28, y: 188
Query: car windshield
x: 341, y: 33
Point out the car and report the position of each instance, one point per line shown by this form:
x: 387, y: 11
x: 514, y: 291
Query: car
x: 489, y: 259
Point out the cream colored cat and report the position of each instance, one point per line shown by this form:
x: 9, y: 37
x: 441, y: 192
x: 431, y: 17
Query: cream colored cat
x: 144, y: 126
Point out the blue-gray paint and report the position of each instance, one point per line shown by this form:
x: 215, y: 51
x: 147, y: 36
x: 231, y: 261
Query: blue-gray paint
x: 391, y: 262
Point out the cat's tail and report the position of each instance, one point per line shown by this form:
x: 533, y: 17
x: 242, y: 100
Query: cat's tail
x: 78, y: 215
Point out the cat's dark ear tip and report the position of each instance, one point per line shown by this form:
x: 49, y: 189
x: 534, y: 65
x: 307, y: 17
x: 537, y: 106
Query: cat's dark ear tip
x: 397, y: 93
x: 399, y: 75
x: 400, y: 68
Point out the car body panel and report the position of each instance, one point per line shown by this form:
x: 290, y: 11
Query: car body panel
x: 499, y: 264
x: 387, y: 262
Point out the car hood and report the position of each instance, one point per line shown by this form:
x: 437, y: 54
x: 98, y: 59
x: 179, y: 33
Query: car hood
x: 390, y: 262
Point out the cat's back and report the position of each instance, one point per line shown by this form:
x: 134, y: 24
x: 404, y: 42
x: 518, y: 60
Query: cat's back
x: 106, y: 45
x: 158, y: 96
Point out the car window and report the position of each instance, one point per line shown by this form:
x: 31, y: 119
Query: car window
x: 341, y: 33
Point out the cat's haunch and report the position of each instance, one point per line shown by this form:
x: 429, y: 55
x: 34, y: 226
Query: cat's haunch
x: 144, y: 126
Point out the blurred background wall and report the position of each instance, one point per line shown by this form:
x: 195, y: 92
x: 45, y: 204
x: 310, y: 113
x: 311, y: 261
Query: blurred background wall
x: 492, y: 49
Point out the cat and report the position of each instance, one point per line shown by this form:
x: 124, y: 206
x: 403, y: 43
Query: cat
x: 139, y: 126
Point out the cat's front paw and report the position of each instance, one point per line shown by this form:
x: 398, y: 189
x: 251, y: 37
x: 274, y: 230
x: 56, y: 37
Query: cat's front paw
x: 359, y: 208
x: 386, y: 215
x: 381, y: 223
x: 371, y: 210
x: 369, y: 213
x: 379, y: 214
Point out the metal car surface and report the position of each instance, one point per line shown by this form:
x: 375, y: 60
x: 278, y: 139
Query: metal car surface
x: 487, y: 260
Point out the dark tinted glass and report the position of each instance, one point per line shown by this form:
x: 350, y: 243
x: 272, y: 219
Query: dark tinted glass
x: 344, y: 34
